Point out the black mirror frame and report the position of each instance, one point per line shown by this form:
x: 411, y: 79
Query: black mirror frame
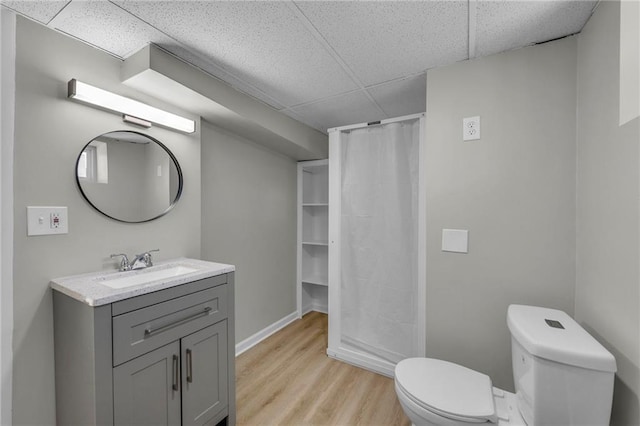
x: 171, y: 156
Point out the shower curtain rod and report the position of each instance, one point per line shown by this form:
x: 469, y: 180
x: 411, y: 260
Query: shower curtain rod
x: 377, y: 123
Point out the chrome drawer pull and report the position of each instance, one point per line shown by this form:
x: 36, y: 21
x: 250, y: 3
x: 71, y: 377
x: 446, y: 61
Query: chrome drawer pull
x: 149, y: 331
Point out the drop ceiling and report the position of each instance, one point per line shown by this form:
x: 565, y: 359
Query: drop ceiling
x: 324, y: 63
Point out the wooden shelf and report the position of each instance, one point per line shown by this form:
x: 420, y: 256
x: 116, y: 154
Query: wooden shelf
x: 323, y: 281
x: 315, y: 243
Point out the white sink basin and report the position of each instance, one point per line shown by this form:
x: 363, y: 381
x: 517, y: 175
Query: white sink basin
x: 144, y: 276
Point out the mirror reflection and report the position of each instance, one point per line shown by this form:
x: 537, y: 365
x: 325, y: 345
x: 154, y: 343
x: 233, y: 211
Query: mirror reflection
x: 129, y: 176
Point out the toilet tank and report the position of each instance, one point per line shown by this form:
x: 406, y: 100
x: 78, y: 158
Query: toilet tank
x: 562, y: 375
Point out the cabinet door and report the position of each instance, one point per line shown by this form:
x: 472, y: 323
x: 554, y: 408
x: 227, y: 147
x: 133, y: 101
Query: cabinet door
x: 204, y: 375
x: 146, y: 390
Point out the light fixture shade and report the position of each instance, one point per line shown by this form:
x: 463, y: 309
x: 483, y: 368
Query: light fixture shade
x: 86, y: 93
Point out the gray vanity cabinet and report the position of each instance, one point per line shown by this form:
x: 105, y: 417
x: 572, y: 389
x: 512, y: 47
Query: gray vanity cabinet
x: 185, y: 381
x: 145, y: 389
x: 163, y: 358
x: 204, y: 374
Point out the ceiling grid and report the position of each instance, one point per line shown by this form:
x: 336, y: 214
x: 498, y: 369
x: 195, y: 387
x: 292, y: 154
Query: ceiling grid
x: 323, y: 63
x: 314, y: 32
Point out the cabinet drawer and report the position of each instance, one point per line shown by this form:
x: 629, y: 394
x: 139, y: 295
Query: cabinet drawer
x: 143, y: 330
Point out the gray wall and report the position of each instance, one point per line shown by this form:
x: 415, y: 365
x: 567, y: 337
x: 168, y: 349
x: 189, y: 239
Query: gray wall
x: 7, y: 111
x: 608, y: 232
x: 50, y: 133
x: 514, y: 190
x: 249, y: 220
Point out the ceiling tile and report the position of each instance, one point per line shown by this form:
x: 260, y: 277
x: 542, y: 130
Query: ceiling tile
x: 284, y: 53
x: 401, y: 97
x: 42, y: 11
x: 107, y: 26
x: 506, y: 24
x: 352, y: 108
x: 262, y: 43
x: 117, y: 31
x: 386, y: 40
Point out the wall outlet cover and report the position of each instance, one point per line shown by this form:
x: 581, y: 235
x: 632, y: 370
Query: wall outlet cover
x: 45, y: 220
x: 471, y: 128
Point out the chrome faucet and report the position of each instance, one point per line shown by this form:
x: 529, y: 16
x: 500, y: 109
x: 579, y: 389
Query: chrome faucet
x: 140, y: 261
x: 124, y: 263
x: 143, y: 260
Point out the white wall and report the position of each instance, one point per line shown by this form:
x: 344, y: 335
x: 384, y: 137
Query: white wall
x: 607, y: 301
x: 7, y: 95
x: 514, y: 190
x: 50, y: 132
x: 249, y: 220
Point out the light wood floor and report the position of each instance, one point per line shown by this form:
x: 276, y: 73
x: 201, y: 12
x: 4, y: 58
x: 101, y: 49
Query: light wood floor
x: 289, y: 380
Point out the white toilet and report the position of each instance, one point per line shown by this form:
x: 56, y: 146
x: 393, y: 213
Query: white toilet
x: 562, y: 376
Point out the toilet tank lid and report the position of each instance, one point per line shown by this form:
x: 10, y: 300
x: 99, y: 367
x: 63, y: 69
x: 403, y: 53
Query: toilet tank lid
x: 553, y: 335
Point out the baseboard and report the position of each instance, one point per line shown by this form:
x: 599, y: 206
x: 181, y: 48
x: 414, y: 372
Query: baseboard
x: 251, y: 341
x: 317, y: 307
x: 320, y: 307
x: 363, y: 361
x: 306, y: 309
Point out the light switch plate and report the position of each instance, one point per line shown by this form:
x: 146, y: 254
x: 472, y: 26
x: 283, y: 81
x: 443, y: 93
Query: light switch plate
x: 43, y: 220
x: 455, y: 240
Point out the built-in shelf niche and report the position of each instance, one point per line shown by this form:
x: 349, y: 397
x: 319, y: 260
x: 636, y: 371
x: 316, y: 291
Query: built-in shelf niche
x: 315, y: 183
x: 315, y: 220
x: 313, y: 232
x: 315, y: 264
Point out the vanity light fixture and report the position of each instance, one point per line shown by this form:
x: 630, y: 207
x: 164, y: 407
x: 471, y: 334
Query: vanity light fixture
x: 135, y: 120
x: 132, y: 111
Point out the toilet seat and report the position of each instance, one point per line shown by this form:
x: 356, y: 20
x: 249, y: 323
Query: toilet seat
x: 447, y: 389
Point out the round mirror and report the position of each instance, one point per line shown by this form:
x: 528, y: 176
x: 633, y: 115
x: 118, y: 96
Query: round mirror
x: 129, y: 176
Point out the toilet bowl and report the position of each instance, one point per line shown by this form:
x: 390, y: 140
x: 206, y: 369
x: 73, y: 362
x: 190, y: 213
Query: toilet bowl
x: 437, y: 392
x: 562, y: 376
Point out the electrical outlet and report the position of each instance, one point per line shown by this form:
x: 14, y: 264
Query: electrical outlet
x: 47, y: 220
x: 471, y: 128
x: 55, y: 220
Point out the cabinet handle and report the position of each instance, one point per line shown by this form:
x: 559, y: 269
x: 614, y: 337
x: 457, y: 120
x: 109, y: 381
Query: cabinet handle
x: 189, y: 366
x: 176, y: 372
x: 149, y: 331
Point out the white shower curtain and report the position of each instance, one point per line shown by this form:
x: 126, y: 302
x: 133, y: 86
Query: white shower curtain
x: 379, y: 240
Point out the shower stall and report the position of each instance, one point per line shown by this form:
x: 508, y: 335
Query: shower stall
x: 377, y: 243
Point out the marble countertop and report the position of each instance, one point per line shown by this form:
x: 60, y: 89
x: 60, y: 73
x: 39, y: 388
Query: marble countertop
x: 87, y: 288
